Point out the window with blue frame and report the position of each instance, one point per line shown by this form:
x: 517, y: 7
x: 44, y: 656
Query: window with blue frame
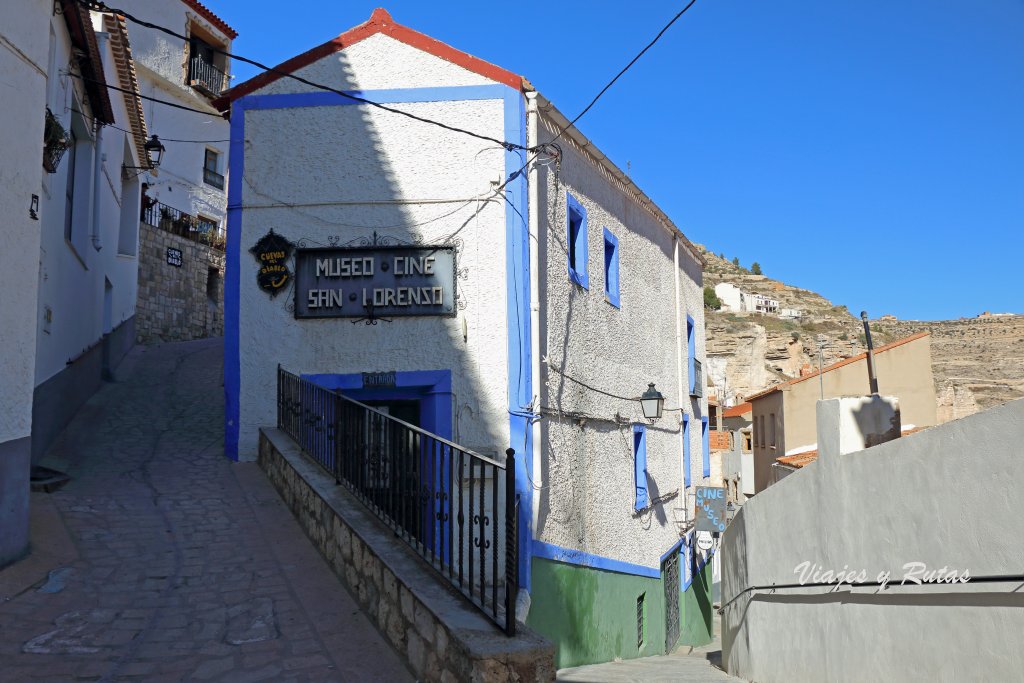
x: 576, y: 241
x: 611, y: 268
x: 705, y: 448
x: 640, y: 466
x: 686, y: 449
x: 691, y: 354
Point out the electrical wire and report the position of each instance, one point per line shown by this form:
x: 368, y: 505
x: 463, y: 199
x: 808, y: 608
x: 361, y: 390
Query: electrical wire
x: 625, y: 69
x: 145, y: 97
x: 102, y: 7
x: 125, y: 130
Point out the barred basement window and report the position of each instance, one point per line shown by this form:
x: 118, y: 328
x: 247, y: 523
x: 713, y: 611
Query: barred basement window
x: 640, y: 621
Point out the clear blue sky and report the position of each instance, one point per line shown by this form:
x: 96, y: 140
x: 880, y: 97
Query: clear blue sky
x: 873, y: 152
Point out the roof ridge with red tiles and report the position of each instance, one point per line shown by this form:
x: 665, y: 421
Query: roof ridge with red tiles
x: 834, y: 366
x: 380, y: 21
x: 206, y: 13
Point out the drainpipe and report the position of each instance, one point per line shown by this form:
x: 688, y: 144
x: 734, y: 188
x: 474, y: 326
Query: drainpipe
x: 679, y: 375
x: 97, y: 171
x: 533, y: 220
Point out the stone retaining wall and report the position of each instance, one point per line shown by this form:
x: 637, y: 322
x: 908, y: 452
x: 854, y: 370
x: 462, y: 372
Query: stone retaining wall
x: 178, y: 303
x: 440, y: 636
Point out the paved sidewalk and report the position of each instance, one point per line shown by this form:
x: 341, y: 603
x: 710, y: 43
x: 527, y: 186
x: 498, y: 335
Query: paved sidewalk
x: 163, y: 561
x: 685, y: 665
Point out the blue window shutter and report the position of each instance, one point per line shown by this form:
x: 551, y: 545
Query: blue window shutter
x: 705, y: 446
x: 576, y: 241
x: 640, y: 466
x: 686, y: 450
x: 691, y: 352
x: 611, y: 268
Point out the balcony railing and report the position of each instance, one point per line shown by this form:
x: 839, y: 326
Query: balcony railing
x: 457, y: 509
x: 211, y: 177
x: 184, y: 225
x: 206, y: 78
x: 697, y: 388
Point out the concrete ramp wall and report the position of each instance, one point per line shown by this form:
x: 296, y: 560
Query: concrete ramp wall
x: 950, y: 498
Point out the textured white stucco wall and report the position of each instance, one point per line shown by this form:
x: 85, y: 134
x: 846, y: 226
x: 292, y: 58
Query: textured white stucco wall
x: 914, y: 499
x: 375, y: 63
x: 23, y: 61
x: 161, y: 68
x: 353, y: 170
x: 71, y: 280
x: 588, y: 494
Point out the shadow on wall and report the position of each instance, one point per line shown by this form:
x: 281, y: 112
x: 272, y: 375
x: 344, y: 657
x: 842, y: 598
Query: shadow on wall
x: 354, y: 176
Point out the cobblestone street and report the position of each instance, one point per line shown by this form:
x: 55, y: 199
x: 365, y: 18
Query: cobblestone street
x: 163, y: 561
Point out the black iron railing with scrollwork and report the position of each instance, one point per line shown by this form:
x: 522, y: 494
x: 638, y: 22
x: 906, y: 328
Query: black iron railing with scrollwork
x: 182, y: 224
x: 457, y: 509
x: 205, y: 77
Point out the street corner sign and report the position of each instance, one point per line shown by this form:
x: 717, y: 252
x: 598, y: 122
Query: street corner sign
x: 271, y: 253
x: 710, y: 509
x: 377, y: 281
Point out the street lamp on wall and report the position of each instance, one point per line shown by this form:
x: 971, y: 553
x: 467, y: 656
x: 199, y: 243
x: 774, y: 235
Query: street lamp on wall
x: 154, y: 150
x: 154, y: 153
x: 652, y: 403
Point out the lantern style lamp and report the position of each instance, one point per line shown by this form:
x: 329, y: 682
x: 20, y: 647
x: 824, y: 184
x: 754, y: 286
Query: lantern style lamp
x: 652, y: 402
x: 154, y: 150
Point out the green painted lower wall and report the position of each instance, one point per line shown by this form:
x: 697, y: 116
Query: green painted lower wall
x: 590, y: 614
x: 696, y: 616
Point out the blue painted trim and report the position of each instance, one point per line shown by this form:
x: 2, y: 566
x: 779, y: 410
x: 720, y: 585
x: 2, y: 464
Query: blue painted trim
x: 642, y: 500
x: 611, y: 268
x: 549, y: 551
x: 330, y: 99
x: 691, y: 352
x: 686, y: 450
x: 677, y: 547
x: 432, y: 388
x: 236, y: 166
x: 517, y: 298
x: 578, y: 247
x: 705, y: 439
x: 232, y: 282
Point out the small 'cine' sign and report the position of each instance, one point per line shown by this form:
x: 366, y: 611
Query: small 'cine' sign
x: 385, y: 282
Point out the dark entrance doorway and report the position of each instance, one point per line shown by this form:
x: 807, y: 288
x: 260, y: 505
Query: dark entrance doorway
x: 398, y: 467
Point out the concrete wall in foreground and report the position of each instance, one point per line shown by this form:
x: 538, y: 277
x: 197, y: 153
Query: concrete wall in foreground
x: 947, y: 497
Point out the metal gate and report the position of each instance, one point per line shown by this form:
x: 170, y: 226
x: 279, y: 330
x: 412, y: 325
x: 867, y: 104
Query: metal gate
x: 670, y: 572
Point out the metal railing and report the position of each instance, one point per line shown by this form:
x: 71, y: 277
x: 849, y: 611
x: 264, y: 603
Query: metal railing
x: 698, y: 379
x: 205, y: 77
x: 457, y: 509
x: 182, y: 224
x: 211, y: 177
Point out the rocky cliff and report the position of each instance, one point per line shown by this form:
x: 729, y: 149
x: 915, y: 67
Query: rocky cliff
x: 977, y: 363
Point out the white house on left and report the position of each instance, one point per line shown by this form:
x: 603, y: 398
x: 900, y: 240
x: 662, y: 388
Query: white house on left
x: 73, y: 144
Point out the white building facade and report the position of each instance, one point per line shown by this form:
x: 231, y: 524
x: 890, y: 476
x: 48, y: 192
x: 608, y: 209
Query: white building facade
x: 72, y: 196
x: 572, y: 292
x: 190, y: 184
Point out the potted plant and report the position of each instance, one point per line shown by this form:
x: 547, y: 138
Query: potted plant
x: 55, y: 142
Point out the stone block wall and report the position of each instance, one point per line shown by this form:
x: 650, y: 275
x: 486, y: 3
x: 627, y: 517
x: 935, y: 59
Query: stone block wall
x: 178, y: 303
x: 440, y: 636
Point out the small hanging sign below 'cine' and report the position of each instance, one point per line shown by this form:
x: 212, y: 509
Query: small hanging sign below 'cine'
x: 271, y: 253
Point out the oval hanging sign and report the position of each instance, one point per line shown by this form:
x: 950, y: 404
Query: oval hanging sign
x: 271, y: 253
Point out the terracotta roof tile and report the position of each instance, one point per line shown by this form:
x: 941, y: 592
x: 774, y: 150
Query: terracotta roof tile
x: 738, y: 410
x: 380, y: 22
x: 206, y: 13
x: 119, y: 45
x: 798, y: 460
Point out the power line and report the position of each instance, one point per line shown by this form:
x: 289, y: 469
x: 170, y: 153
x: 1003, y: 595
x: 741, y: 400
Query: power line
x: 625, y: 69
x: 102, y: 7
x: 145, y: 97
x: 125, y: 130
